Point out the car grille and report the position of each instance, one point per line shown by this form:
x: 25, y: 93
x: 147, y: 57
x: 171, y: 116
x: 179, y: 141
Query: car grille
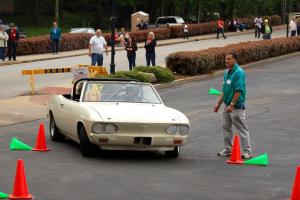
x: 142, y: 128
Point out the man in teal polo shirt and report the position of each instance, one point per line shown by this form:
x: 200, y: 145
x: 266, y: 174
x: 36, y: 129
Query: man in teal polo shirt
x: 234, y: 96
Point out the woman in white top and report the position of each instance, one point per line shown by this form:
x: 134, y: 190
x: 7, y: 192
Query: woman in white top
x: 3, y: 43
x: 293, y: 27
x: 185, y: 31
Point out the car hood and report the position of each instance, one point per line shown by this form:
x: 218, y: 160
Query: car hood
x: 137, y: 113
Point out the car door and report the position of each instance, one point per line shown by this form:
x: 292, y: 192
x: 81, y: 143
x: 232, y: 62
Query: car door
x: 70, y: 116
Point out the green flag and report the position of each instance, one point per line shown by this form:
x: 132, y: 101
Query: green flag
x: 213, y: 91
x: 16, y: 144
x: 3, y: 195
x: 259, y: 160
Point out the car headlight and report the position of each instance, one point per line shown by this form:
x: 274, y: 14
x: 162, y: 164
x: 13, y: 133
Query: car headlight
x: 97, y: 128
x: 110, y: 128
x: 171, y: 130
x: 183, y: 129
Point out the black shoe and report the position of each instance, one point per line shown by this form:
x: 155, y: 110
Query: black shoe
x: 224, y: 153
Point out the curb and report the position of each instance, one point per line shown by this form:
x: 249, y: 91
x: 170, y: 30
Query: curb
x: 139, y: 46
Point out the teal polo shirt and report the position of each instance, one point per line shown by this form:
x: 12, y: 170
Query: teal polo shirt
x: 233, y: 81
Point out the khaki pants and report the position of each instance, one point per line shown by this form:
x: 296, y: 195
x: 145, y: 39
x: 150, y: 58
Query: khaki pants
x: 237, y: 120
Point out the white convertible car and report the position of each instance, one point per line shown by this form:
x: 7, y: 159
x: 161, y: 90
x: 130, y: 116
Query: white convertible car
x: 117, y: 114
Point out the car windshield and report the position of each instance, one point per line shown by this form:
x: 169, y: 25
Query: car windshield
x: 120, y: 92
x: 180, y: 20
x: 167, y: 20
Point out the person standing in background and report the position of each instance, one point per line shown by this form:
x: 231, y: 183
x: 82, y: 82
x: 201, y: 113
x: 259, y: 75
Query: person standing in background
x: 185, y: 31
x: 150, y: 49
x: 220, y: 28
x: 55, y: 37
x: 131, y: 48
x: 267, y: 30
x: 12, y: 44
x: 298, y: 26
x: 3, y: 43
x: 293, y: 27
x: 258, y: 22
x: 96, y: 46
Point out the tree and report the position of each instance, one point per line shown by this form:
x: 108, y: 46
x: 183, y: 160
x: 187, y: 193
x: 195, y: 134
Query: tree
x: 56, y: 10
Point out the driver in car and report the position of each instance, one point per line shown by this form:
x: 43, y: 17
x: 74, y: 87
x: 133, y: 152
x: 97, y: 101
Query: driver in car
x: 133, y: 94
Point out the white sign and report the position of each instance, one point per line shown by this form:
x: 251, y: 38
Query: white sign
x: 80, y: 72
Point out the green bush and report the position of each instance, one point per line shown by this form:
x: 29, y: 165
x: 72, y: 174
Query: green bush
x: 163, y: 75
x: 137, y: 75
x: 204, y: 61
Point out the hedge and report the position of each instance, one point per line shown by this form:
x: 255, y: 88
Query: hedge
x: 162, y: 74
x: 140, y: 76
x: 41, y: 44
x: 144, y: 74
x: 200, y: 62
x: 211, y: 27
x: 75, y: 41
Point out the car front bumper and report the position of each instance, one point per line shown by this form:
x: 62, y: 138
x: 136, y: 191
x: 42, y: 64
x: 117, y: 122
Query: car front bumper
x: 141, y: 142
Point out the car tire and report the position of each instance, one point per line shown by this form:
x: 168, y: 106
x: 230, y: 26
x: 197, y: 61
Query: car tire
x: 55, y: 135
x: 86, y: 147
x: 174, y: 153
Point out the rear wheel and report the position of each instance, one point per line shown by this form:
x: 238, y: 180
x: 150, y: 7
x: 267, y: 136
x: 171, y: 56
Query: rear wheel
x: 87, y: 148
x: 55, y: 135
x: 174, y: 153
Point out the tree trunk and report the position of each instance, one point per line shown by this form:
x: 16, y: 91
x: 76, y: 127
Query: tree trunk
x: 199, y: 11
x: 162, y: 8
x: 183, y: 9
x: 56, y: 10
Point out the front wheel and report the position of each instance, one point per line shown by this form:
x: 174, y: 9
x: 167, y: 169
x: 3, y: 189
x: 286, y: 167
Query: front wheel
x: 86, y: 147
x: 55, y: 135
x: 174, y: 153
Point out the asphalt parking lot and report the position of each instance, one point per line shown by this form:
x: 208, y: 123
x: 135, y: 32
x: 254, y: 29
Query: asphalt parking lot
x: 273, y: 118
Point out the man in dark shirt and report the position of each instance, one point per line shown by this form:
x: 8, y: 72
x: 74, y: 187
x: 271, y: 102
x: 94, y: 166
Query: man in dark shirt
x: 12, y: 44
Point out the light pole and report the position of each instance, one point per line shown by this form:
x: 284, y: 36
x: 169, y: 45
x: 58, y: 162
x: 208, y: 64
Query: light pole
x: 287, y: 15
x: 112, y: 39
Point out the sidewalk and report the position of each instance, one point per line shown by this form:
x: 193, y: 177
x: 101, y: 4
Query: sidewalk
x: 66, y: 54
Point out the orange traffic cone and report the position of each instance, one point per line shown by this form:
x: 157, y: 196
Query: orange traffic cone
x: 20, y: 186
x: 41, y: 144
x: 236, y: 157
x: 296, y: 189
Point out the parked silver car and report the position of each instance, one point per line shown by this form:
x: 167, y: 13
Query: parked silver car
x: 83, y: 30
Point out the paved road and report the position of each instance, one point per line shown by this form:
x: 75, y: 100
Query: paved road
x: 273, y: 118
x: 13, y: 84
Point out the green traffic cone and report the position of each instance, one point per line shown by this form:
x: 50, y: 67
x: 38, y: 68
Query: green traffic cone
x: 3, y: 195
x: 213, y: 91
x: 259, y: 160
x: 16, y: 144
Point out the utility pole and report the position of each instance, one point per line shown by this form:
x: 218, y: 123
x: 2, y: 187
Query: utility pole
x: 112, y: 39
x: 56, y: 10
